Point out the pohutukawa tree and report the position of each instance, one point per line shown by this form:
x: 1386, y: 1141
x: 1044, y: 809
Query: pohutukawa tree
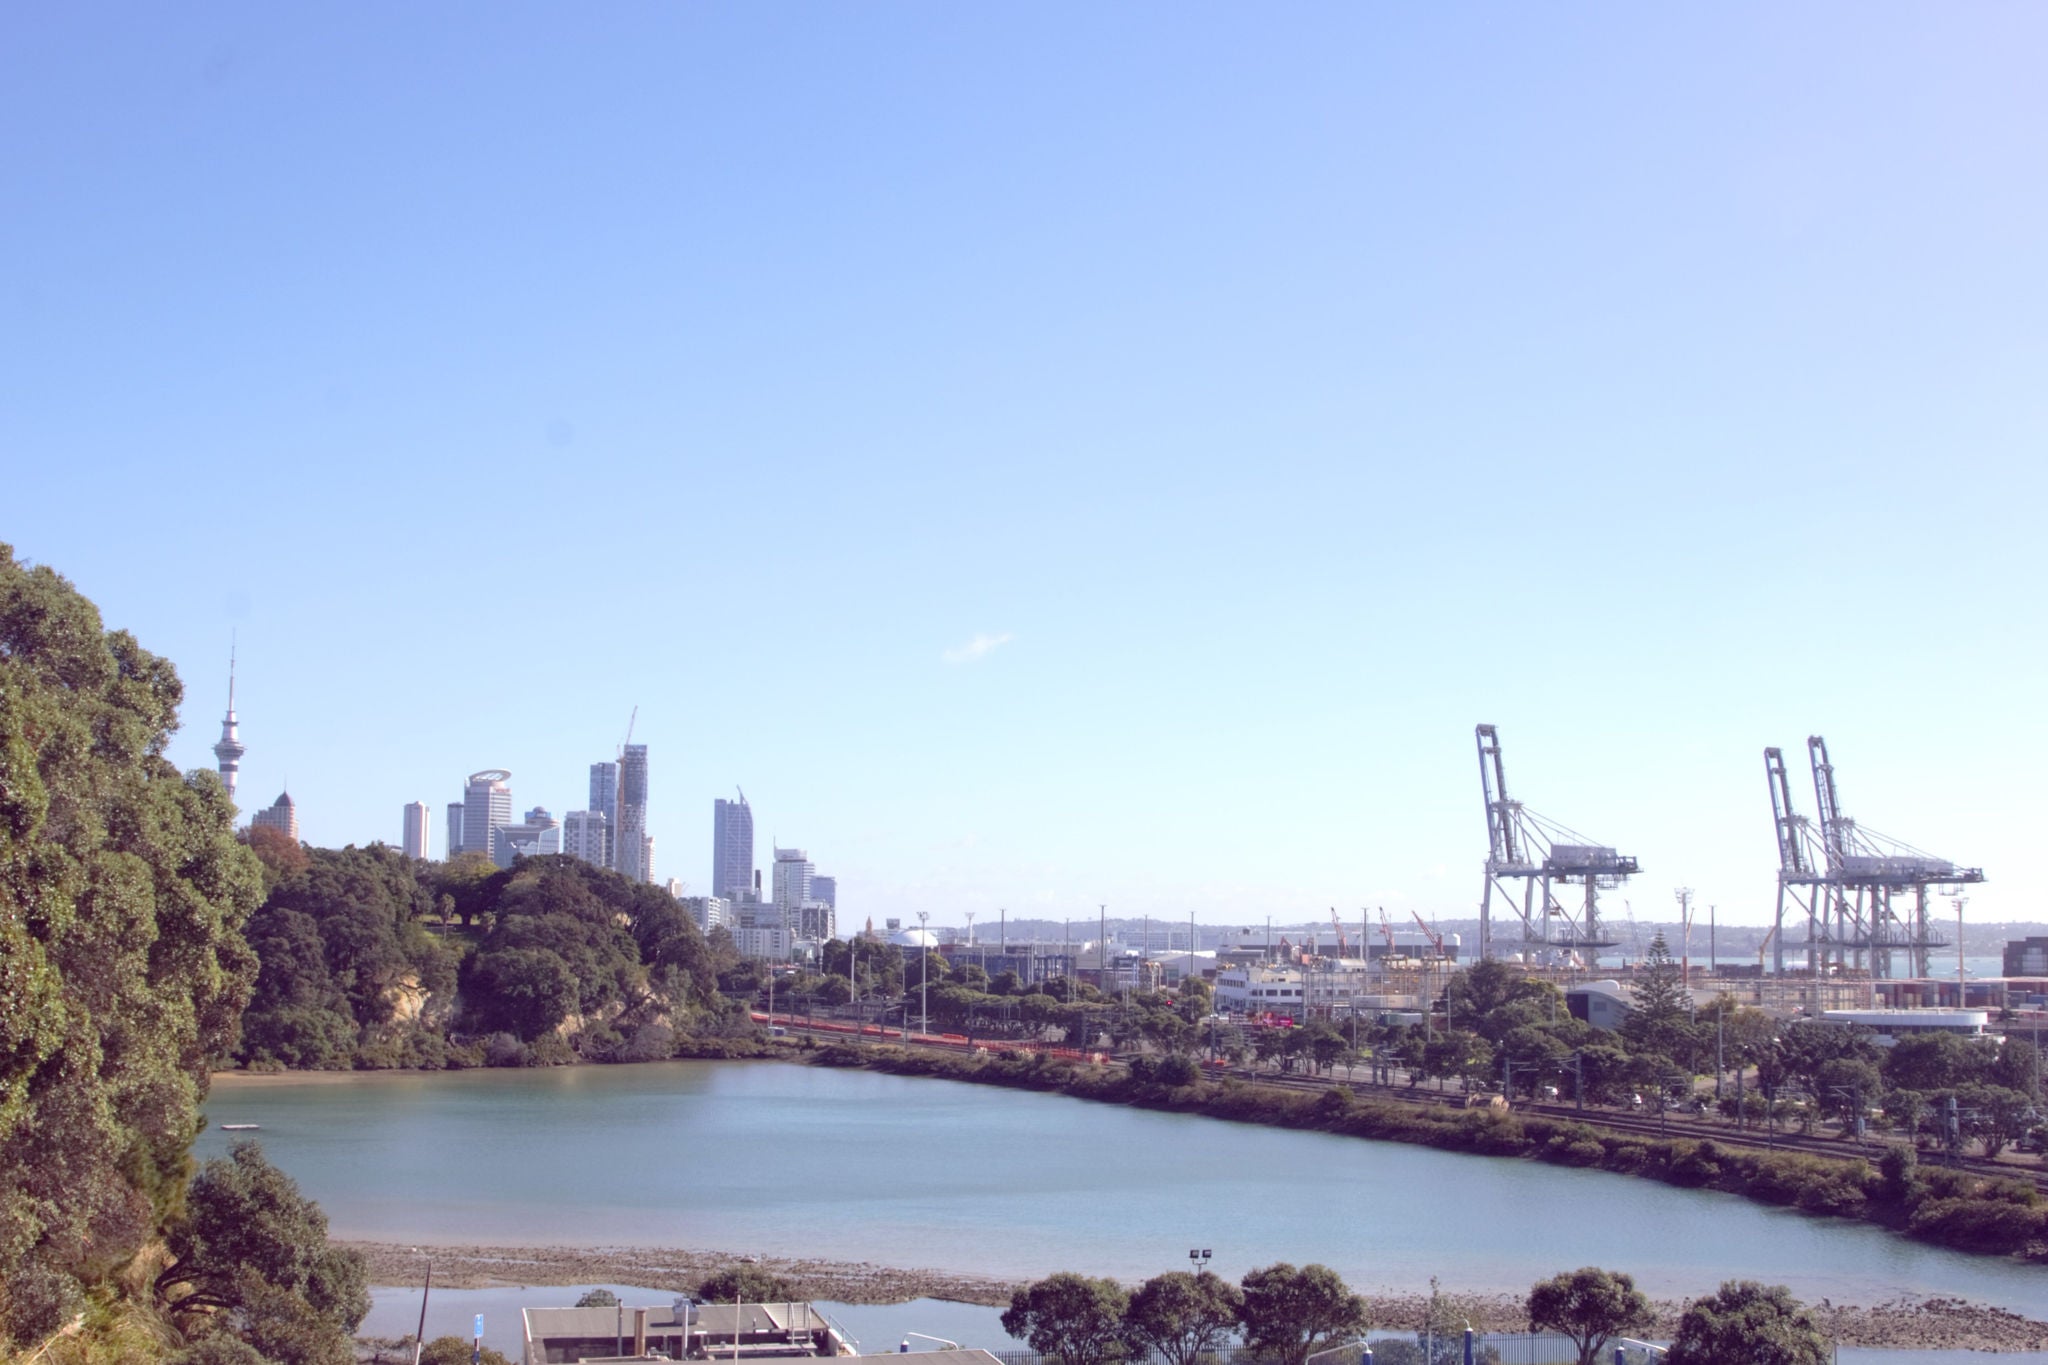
x: 123, y: 972
x: 1591, y: 1306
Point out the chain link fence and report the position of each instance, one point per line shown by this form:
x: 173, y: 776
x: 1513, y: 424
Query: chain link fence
x: 1489, y: 1348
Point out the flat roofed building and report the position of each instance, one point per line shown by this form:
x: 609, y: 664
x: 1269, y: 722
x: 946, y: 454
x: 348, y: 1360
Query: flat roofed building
x: 413, y: 836
x: 2027, y: 956
x: 604, y: 800
x: 1892, y: 1025
x: 586, y: 834
x: 536, y: 836
x: 486, y: 808
x: 631, y: 846
x: 682, y: 1330
x: 732, y: 848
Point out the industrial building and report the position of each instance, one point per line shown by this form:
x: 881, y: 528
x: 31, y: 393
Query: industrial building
x: 680, y: 1330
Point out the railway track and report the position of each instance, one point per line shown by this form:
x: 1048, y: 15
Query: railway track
x: 1647, y: 1125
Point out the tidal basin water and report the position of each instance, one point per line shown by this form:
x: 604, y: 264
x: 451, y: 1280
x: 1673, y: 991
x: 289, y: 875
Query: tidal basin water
x: 847, y: 1165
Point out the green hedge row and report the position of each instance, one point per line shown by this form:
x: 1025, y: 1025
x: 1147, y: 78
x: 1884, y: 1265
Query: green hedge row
x: 1948, y: 1207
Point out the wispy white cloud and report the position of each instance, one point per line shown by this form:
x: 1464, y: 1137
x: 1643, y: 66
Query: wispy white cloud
x: 977, y: 649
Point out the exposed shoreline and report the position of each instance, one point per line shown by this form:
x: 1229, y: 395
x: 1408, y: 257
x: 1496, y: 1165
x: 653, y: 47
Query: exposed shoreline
x: 1900, y: 1324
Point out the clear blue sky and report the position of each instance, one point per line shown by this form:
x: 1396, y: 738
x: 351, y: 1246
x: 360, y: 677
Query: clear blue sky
x: 1285, y: 389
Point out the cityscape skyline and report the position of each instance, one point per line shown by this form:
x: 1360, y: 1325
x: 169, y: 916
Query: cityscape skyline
x: 1162, y: 435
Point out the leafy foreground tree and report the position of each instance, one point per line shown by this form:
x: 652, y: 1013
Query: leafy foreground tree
x: 1288, y: 1314
x: 1746, y: 1323
x: 1182, y: 1317
x: 253, y: 1263
x: 123, y: 971
x: 1591, y: 1306
x: 1078, y: 1319
x: 456, y: 1351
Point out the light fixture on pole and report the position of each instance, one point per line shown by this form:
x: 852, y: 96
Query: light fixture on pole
x: 1199, y: 1258
x: 924, y: 974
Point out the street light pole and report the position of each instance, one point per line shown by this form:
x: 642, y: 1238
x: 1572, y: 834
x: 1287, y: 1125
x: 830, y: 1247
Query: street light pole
x: 419, y: 1340
x: 924, y: 974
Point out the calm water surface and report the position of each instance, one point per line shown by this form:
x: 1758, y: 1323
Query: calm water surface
x: 847, y: 1165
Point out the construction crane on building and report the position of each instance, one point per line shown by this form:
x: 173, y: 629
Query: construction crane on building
x: 1844, y: 876
x: 1343, y: 944
x: 1387, y: 932
x: 631, y: 721
x: 1540, y: 853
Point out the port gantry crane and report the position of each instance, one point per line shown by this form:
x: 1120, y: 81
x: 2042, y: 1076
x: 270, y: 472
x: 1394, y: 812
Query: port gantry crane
x: 1843, y: 876
x: 1539, y: 853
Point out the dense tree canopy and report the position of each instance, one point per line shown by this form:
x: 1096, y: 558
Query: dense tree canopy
x: 123, y: 971
x: 1746, y: 1323
x: 1289, y: 1314
x: 1591, y: 1306
x: 341, y: 943
x: 1181, y: 1317
x: 251, y: 1257
x: 1073, y: 1317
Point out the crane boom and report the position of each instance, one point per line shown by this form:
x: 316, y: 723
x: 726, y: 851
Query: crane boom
x: 1436, y: 940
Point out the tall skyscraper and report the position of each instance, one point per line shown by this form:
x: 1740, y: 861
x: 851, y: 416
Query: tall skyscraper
x: 604, y: 800
x: 792, y: 886
x: 632, y: 846
x: 282, y: 816
x: 414, y: 838
x: 454, y: 829
x: 586, y: 834
x: 228, y: 752
x: 732, y: 848
x: 825, y: 889
x: 486, y: 808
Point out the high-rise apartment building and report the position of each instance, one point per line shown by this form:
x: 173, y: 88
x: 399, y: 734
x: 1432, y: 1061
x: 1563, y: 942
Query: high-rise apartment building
x: 634, y: 848
x: 732, y: 849
x: 709, y: 912
x: 792, y: 885
x: 586, y: 834
x: 536, y: 836
x: 281, y: 816
x: 604, y: 800
x: 413, y: 838
x: 486, y: 808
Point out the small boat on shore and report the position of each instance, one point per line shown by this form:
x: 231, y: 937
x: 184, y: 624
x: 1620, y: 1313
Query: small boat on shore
x: 240, y: 1127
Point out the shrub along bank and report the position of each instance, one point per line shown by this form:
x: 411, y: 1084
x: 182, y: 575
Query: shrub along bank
x: 1934, y: 1204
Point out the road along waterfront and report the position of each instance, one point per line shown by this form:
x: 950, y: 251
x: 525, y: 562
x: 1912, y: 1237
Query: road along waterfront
x: 851, y: 1166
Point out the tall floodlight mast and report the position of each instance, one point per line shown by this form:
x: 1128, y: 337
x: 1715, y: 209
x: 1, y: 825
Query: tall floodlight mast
x: 1539, y: 853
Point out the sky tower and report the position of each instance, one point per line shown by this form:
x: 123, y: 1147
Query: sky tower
x: 230, y: 750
